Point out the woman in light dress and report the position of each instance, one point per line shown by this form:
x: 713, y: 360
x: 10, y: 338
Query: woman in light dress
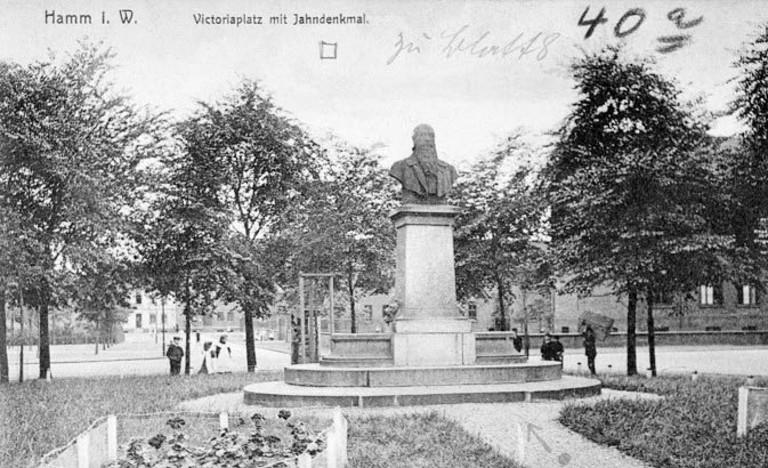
x: 208, y: 366
x: 223, y: 355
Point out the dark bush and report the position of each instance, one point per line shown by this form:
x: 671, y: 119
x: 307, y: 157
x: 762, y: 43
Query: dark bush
x: 694, y: 425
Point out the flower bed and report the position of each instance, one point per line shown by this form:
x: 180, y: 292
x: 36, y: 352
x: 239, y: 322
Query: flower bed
x: 256, y: 442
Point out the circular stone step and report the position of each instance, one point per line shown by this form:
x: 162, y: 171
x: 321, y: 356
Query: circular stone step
x: 315, y: 375
x: 280, y: 394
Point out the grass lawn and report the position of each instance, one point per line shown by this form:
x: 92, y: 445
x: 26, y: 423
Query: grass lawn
x: 39, y: 416
x: 417, y: 440
x: 694, y: 425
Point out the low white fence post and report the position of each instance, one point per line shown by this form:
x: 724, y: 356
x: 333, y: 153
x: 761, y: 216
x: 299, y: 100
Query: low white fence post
x: 305, y: 460
x: 741, y: 421
x: 83, y: 442
x: 223, y: 421
x: 111, y: 437
x: 520, y: 452
x: 340, y: 428
x: 332, y: 448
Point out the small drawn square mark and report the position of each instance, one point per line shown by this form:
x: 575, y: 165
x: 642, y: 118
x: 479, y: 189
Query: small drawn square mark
x: 328, y: 50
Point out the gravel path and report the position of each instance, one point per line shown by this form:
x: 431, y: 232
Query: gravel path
x: 527, y: 432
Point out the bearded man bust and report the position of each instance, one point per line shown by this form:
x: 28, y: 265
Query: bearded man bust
x: 425, y: 179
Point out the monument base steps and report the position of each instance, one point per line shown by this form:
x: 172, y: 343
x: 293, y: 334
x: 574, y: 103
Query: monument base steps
x: 280, y: 394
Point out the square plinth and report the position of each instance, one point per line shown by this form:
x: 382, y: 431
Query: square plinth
x: 433, y: 349
x: 425, y: 284
x: 437, y: 325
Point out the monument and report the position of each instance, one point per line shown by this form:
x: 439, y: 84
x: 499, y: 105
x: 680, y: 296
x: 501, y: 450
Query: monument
x: 432, y: 355
x: 429, y: 330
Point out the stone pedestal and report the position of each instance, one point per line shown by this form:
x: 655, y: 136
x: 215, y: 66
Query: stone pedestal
x: 429, y: 330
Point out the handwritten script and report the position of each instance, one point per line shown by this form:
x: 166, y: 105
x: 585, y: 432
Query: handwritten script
x: 482, y: 44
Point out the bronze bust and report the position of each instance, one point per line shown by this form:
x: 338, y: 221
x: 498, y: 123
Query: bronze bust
x: 425, y: 179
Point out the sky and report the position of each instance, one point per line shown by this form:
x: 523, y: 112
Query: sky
x: 474, y: 70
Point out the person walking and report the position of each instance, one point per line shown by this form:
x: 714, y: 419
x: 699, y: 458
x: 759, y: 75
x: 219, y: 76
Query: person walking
x: 208, y: 359
x: 223, y: 355
x: 590, y: 348
x: 174, y: 355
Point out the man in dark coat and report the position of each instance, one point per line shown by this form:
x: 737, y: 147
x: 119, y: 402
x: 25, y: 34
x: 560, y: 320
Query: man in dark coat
x: 174, y: 355
x: 558, y: 349
x: 548, y: 349
x: 590, y: 348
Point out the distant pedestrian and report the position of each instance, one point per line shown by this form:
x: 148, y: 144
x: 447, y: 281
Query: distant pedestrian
x: 174, y: 354
x: 517, y: 342
x: 208, y: 359
x: 548, y: 348
x: 223, y: 355
x: 558, y: 349
x: 197, y: 335
x: 590, y: 347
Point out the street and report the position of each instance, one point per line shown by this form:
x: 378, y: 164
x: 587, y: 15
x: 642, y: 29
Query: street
x: 138, y: 355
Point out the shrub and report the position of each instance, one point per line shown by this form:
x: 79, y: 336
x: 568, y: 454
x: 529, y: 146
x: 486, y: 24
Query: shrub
x: 693, y: 426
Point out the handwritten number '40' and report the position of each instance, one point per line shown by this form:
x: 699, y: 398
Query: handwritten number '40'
x: 618, y: 30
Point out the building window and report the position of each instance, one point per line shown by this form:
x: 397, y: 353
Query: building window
x: 138, y: 321
x: 665, y: 298
x: 565, y: 329
x: 230, y: 316
x: 138, y: 298
x: 368, y: 313
x: 710, y: 295
x: 153, y: 319
x: 472, y: 311
x: 747, y: 295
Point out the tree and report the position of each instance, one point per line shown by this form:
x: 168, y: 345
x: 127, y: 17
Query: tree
x: 495, y: 236
x: 259, y: 160
x: 14, y: 274
x: 750, y: 163
x: 343, y: 226
x: 69, y: 148
x: 631, y: 189
x: 100, y: 293
x: 181, y: 238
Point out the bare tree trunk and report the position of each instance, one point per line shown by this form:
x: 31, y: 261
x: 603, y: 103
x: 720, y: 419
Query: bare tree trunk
x: 188, y: 331
x: 631, y: 332
x: 502, y: 306
x: 162, y: 318
x: 3, y: 340
x: 250, y: 345
x: 651, y: 333
x: 351, y: 289
x: 526, y: 337
x: 188, y: 346
x: 44, y: 345
x: 21, y: 335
